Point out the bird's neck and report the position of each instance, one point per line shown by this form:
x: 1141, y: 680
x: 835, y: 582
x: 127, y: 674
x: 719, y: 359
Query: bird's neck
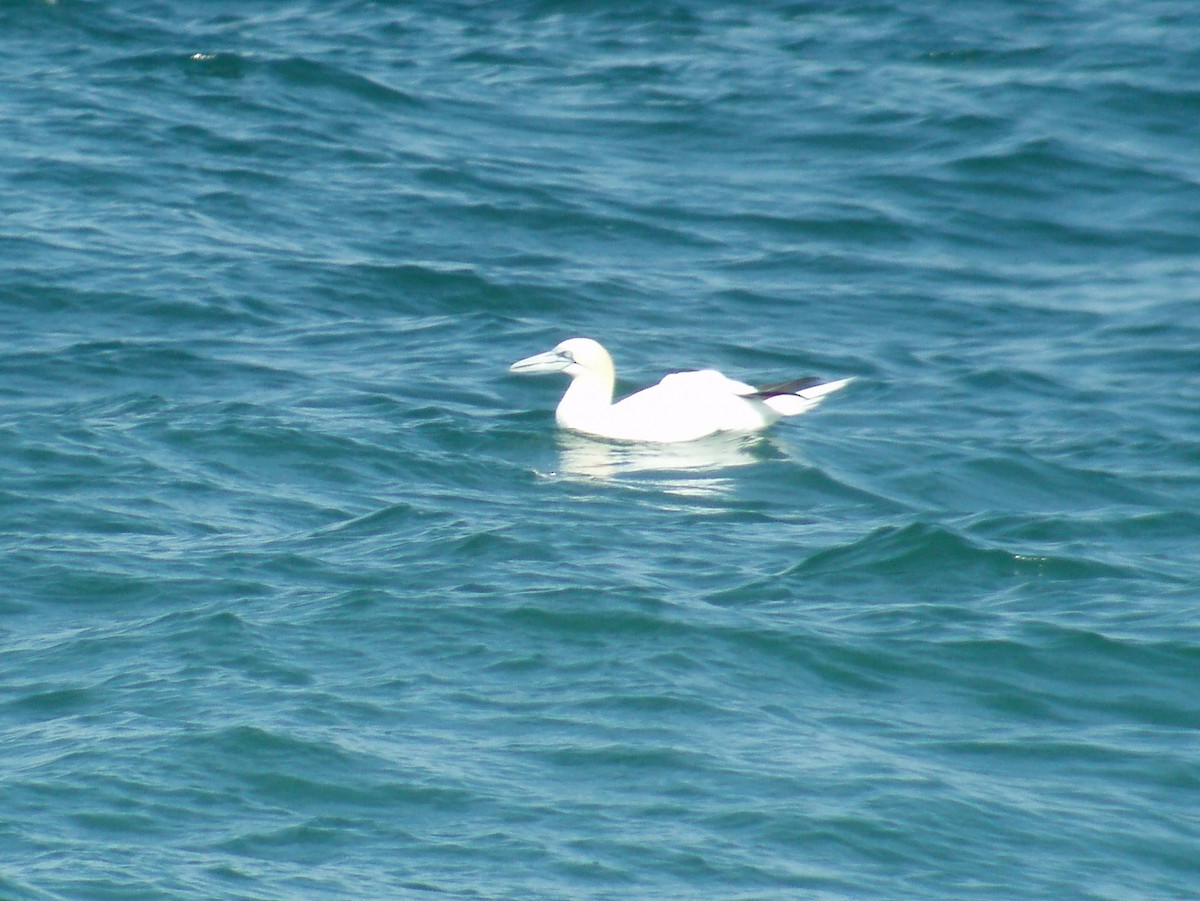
x: 588, y: 394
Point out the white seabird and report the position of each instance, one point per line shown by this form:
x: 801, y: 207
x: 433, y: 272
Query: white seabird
x: 684, y: 406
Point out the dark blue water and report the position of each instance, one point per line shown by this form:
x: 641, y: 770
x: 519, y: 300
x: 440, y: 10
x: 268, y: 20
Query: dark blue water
x: 303, y: 596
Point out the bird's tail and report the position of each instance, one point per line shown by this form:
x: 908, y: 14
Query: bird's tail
x: 793, y: 398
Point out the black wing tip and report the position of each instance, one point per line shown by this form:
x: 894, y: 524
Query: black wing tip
x: 787, y: 387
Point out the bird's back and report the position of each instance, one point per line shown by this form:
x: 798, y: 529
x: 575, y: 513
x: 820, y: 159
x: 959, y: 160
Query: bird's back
x: 688, y: 405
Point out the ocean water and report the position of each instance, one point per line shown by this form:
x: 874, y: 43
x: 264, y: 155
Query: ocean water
x: 302, y: 595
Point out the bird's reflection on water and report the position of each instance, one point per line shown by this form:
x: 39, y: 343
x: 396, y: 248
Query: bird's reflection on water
x: 692, y: 467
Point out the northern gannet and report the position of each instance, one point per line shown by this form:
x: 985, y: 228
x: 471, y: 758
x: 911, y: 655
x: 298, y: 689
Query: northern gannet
x: 684, y: 406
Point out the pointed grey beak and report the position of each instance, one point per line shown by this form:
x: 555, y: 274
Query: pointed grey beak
x: 550, y: 361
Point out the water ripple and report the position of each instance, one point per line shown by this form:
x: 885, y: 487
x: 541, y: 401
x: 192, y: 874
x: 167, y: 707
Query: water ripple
x: 304, y: 596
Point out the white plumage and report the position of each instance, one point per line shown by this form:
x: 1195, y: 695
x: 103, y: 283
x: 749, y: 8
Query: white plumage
x: 683, y: 406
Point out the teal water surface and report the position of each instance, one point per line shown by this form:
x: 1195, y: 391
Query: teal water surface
x: 303, y: 596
